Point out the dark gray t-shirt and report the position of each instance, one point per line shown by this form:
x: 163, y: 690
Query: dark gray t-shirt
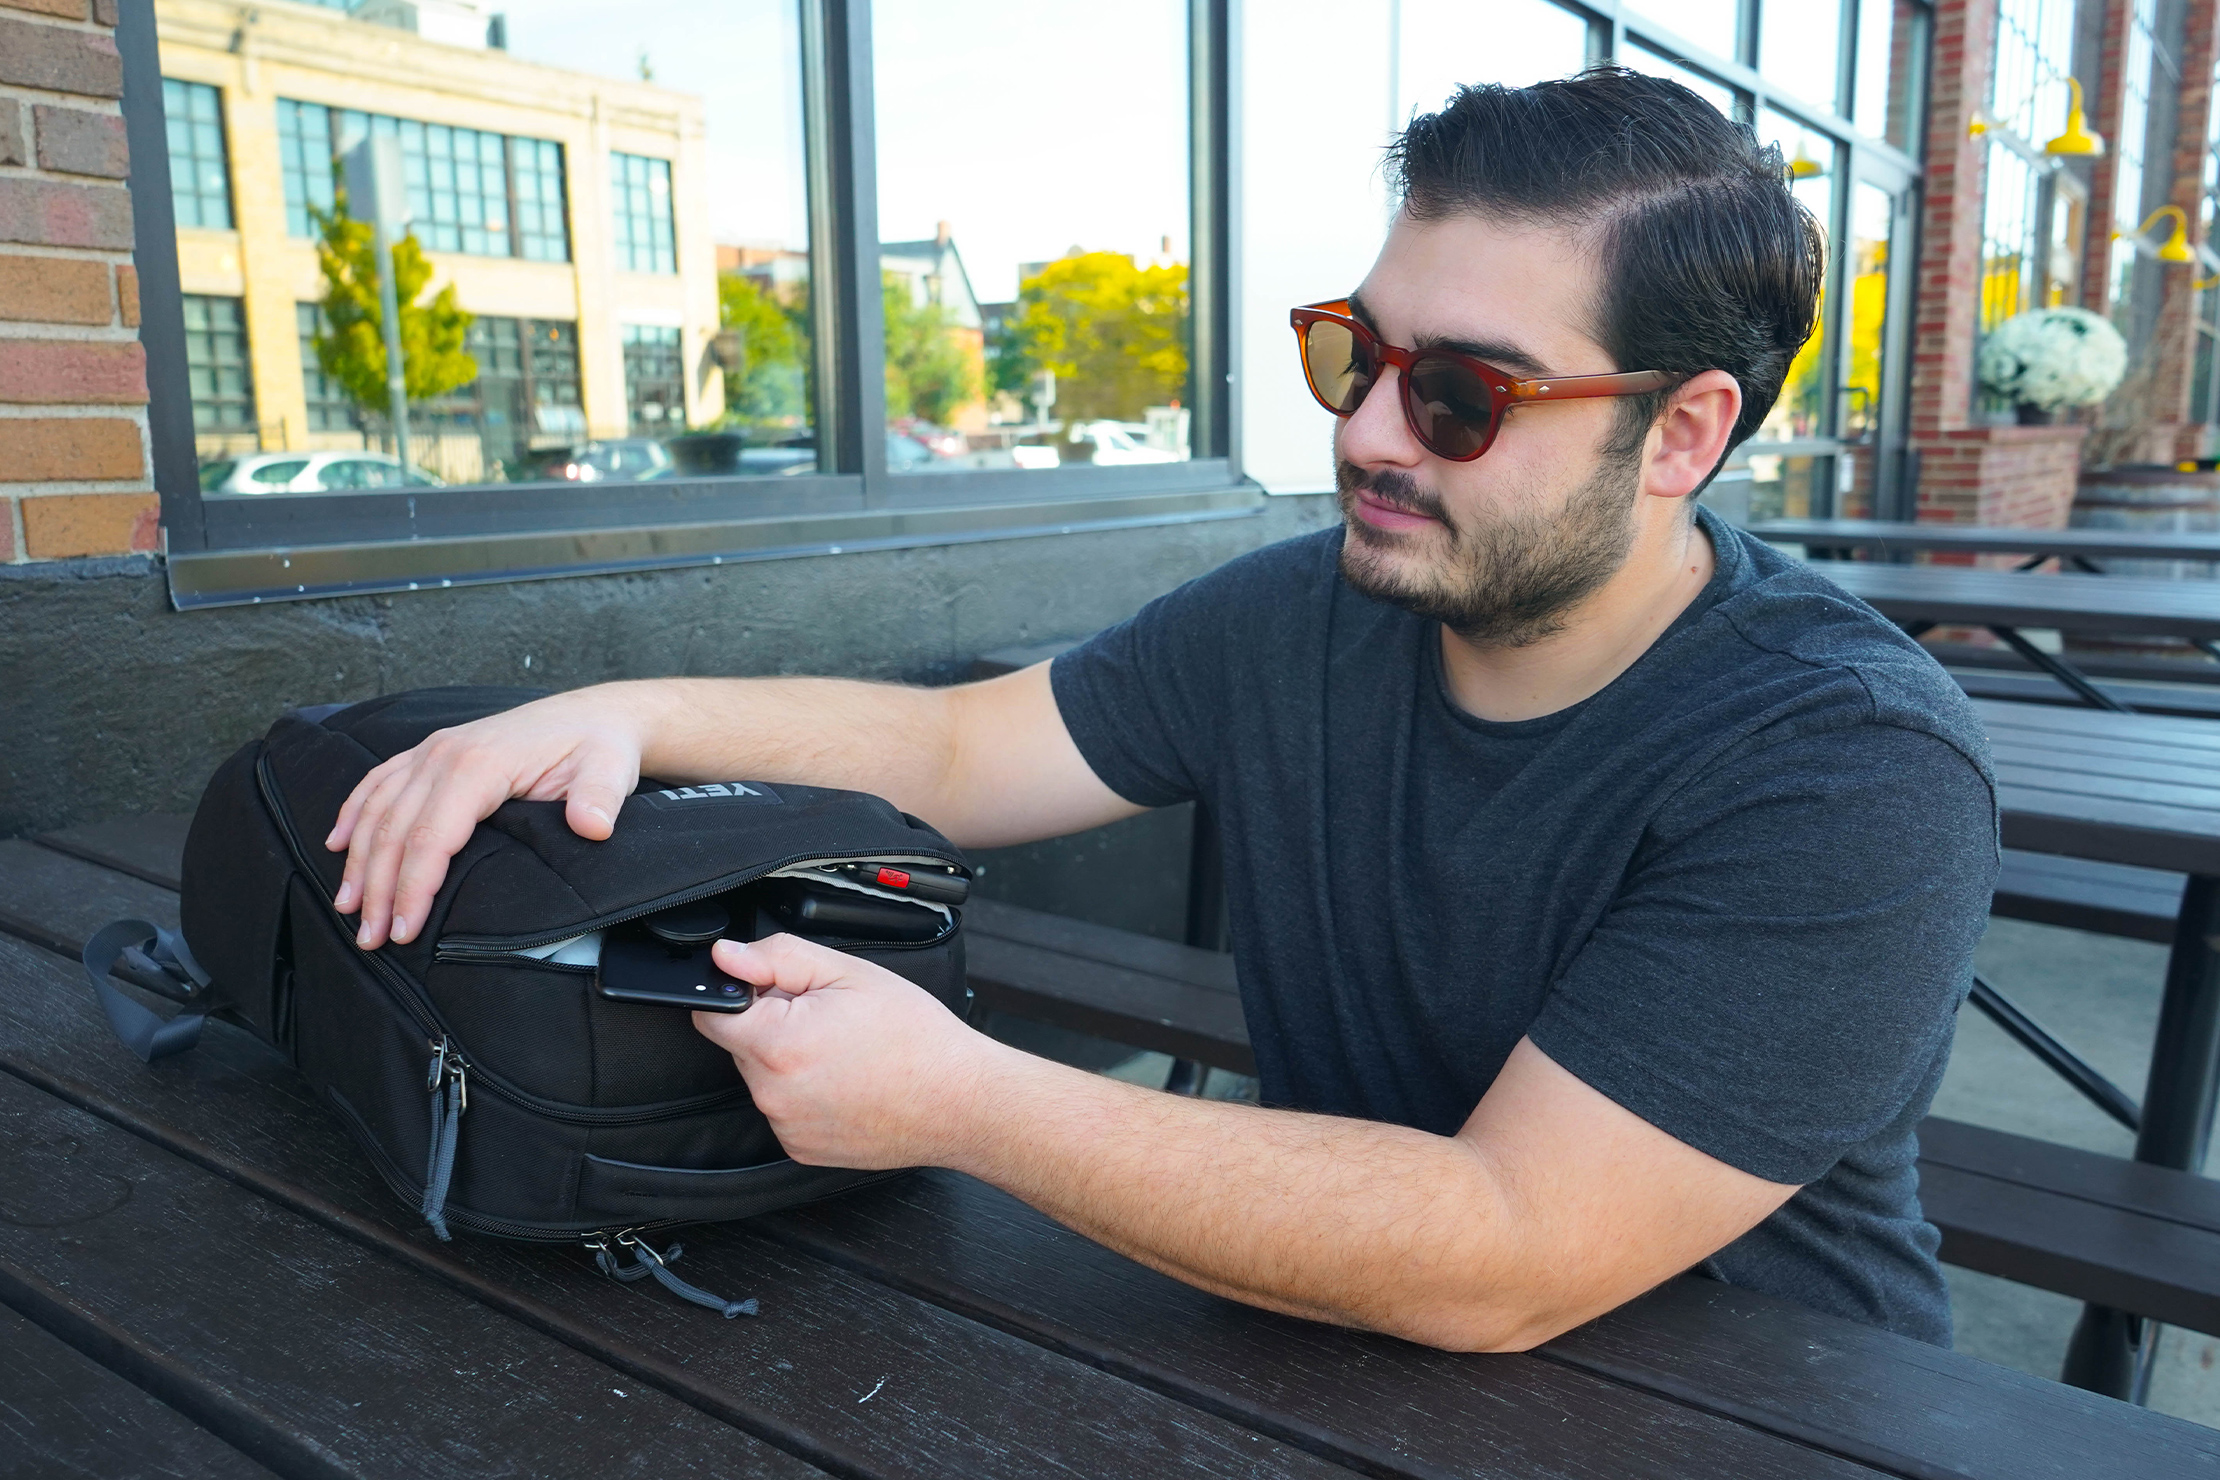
x: 1737, y: 891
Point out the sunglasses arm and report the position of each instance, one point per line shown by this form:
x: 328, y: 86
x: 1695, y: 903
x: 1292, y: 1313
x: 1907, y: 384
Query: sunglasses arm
x: 1579, y: 387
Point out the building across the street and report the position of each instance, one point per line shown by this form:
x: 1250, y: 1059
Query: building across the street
x: 562, y: 206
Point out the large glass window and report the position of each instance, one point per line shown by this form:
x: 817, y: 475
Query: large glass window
x: 2204, y: 395
x: 1890, y: 73
x: 1800, y: 47
x: 2030, y: 220
x: 1446, y: 44
x: 654, y: 379
x: 1714, y: 25
x: 2144, y: 58
x: 200, y: 178
x: 458, y: 178
x: 1037, y: 307
x: 330, y: 409
x: 642, y: 188
x: 222, y: 381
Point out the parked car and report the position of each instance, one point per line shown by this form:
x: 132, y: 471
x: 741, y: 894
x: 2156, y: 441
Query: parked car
x: 310, y: 472
x: 617, y: 459
x: 1116, y: 446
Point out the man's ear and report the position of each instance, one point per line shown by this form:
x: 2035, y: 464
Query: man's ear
x: 1690, y: 435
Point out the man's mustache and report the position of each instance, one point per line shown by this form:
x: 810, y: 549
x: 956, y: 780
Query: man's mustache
x: 1397, y: 490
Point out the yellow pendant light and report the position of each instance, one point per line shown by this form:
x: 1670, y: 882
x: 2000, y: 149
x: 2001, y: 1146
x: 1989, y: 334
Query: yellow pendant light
x: 2078, y: 141
x: 2177, y: 248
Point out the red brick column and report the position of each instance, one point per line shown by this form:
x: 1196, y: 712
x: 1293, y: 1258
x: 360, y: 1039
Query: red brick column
x: 1969, y: 474
x: 74, y: 475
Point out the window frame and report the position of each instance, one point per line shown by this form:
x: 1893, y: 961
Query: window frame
x: 277, y: 547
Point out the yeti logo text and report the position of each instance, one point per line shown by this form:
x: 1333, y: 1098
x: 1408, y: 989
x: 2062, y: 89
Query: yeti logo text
x: 712, y: 791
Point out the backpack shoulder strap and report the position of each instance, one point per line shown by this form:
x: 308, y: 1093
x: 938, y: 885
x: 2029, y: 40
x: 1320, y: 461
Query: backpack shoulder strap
x: 160, y: 961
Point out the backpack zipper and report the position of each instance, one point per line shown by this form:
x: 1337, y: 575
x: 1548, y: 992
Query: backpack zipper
x: 487, y: 947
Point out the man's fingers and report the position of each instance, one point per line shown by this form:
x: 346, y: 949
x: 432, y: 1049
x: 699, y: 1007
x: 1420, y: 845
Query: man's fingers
x: 386, y: 841
x: 441, y: 830
x: 602, y: 784
x: 371, y: 800
x: 784, y: 963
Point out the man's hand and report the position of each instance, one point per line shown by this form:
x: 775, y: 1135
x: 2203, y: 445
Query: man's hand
x: 852, y: 1065
x: 412, y: 814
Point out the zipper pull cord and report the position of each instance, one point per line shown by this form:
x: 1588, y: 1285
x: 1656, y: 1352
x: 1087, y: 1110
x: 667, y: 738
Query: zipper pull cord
x: 651, y: 1263
x: 448, y: 1100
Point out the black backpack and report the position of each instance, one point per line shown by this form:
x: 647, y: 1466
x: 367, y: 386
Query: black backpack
x: 479, y: 1067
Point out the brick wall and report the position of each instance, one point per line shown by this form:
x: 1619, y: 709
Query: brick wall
x: 74, y: 475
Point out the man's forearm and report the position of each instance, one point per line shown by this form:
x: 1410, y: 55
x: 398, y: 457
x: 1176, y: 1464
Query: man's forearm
x: 989, y: 764
x: 1349, y: 1221
x: 893, y: 741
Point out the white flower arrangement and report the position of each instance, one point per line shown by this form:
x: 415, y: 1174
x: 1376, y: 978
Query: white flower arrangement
x: 2053, y: 357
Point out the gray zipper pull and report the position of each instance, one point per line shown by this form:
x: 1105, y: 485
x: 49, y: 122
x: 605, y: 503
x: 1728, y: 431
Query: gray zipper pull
x: 450, y: 1097
x: 648, y: 1262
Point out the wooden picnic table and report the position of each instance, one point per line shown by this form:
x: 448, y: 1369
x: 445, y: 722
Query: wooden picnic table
x: 202, y: 1276
x: 2071, y: 545
x: 1920, y: 597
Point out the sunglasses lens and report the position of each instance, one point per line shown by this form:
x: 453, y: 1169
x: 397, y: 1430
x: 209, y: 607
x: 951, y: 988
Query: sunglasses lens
x: 1451, y: 406
x: 1341, y: 365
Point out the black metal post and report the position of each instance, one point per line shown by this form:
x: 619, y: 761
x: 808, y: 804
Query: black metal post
x: 2111, y: 1351
x: 1206, y: 924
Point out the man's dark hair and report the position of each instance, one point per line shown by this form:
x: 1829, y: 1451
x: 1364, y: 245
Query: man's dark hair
x: 1705, y: 260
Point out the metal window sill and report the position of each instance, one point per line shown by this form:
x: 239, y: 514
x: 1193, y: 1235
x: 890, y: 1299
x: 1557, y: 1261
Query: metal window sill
x: 250, y: 577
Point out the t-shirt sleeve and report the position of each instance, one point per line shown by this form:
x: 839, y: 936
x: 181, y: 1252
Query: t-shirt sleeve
x: 1773, y: 984
x: 1145, y: 700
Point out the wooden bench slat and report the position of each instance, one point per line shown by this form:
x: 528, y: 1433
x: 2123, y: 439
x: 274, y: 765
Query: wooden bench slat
x: 1002, y: 1403
x: 297, y: 1345
x: 2106, y: 831
x: 58, y: 901
x: 2145, y: 1266
x: 2107, y: 898
x: 1136, y: 1007
x: 61, y: 1413
x: 1103, y: 943
x: 2193, y: 772
x: 2068, y: 1171
x: 150, y: 846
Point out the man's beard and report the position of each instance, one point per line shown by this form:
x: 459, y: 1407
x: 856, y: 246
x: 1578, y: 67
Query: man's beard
x: 1507, y: 583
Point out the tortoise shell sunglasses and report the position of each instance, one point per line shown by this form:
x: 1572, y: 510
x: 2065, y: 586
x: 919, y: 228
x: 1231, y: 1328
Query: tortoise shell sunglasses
x: 1454, y: 403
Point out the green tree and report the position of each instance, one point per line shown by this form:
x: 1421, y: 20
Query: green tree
x: 351, y: 344
x: 768, y: 387
x: 1114, y: 333
x: 929, y: 369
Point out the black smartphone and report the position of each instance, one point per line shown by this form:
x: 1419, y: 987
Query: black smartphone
x: 663, y: 961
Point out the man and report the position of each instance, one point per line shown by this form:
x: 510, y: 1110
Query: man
x: 1603, y: 885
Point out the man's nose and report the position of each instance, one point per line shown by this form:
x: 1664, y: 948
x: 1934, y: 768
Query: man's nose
x: 1377, y: 433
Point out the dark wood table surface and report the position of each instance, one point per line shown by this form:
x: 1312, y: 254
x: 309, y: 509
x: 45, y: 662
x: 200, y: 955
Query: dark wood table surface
x: 199, y: 1275
x: 2095, y: 604
x: 1891, y: 537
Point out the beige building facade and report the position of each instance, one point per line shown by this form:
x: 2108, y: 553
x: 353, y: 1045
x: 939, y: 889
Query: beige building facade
x: 267, y: 58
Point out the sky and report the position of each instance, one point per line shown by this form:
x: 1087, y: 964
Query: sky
x: 1030, y: 128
